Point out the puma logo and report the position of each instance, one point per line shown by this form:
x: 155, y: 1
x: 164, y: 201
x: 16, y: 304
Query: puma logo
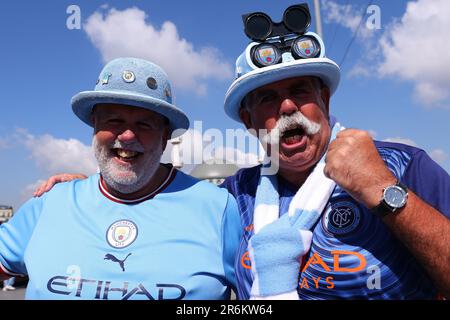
x: 109, y: 256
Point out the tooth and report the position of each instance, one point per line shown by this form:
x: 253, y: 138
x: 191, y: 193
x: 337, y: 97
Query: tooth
x: 293, y: 139
x: 126, y: 153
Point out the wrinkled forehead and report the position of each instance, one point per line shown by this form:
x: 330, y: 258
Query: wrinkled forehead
x: 307, y: 82
x: 291, y: 84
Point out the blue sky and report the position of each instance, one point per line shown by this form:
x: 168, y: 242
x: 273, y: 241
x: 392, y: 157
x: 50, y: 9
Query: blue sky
x: 393, y: 84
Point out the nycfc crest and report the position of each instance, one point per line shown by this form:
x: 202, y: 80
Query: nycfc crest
x: 341, y: 218
x: 121, y: 234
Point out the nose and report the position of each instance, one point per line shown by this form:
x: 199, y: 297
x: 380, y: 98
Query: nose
x: 127, y: 136
x: 287, y: 107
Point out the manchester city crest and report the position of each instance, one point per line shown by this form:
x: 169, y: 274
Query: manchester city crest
x: 307, y: 48
x: 341, y: 218
x: 267, y: 54
x: 121, y: 234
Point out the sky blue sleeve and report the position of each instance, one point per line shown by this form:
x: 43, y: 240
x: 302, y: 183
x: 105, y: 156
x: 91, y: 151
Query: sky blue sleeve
x: 231, y: 238
x: 15, y: 235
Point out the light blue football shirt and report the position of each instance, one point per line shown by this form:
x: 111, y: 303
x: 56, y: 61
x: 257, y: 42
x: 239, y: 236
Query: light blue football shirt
x: 79, y: 242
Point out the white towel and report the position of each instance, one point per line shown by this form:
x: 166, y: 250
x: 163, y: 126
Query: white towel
x: 309, y: 201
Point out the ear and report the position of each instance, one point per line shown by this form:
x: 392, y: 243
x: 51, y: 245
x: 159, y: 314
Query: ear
x: 246, y: 118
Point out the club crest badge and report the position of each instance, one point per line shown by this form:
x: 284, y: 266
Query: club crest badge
x: 267, y: 54
x: 341, y: 218
x: 121, y: 234
x: 307, y: 48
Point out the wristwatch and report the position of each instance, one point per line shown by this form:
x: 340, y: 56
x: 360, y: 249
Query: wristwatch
x: 394, y: 198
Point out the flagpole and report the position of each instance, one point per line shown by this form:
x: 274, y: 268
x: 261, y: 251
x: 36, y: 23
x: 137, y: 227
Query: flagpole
x: 318, y: 19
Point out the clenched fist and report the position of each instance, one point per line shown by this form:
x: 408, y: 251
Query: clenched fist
x: 353, y: 162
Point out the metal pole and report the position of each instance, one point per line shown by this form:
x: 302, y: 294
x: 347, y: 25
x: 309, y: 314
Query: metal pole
x: 318, y: 19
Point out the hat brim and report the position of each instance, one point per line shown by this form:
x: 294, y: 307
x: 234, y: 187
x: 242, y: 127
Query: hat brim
x: 84, y: 102
x: 323, y: 68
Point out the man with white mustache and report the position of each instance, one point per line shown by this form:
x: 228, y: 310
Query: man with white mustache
x: 137, y: 230
x: 344, y: 217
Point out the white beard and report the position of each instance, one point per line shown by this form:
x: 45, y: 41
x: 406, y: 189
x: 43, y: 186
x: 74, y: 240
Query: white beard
x: 126, y: 179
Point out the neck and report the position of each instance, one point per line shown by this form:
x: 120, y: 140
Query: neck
x: 155, y: 182
x: 295, y: 178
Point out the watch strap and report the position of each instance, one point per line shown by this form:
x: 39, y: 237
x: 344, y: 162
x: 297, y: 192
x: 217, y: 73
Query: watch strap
x: 383, y: 209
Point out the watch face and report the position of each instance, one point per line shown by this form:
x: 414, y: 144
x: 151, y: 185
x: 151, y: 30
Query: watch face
x: 395, y: 196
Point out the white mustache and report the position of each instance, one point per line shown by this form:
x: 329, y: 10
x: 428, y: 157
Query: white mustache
x: 288, y: 122
x: 133, y: 146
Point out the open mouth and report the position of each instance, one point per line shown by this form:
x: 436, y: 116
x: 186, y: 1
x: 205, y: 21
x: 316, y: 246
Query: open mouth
x: 126, y: 155
x: 293, y: 136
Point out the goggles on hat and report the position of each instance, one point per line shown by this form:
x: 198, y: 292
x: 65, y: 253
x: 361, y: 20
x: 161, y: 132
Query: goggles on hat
x: 270, y: 53
x: 279, y: 50
x: 277, y: 42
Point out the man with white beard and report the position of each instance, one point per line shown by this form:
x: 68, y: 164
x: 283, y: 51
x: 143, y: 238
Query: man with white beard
x: 137, y: 230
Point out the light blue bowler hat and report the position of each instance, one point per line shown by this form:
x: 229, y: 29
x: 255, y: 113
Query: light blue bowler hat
x: 133, y: 82
x: 249, y: 77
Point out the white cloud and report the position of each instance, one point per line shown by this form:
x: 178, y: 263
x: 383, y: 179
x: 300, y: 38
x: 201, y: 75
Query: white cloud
x: 346, y: 16
x: 55, y: 155
x: 128, y: 33
x: 360, y: 70
x: 232, y: 155
x: 414, y: 48
x: 28, y: 191
x: 402, y: 140
x: 417, y: 49
x: 438, y: 155
x: 373, y: 133
x: 349, y: 17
